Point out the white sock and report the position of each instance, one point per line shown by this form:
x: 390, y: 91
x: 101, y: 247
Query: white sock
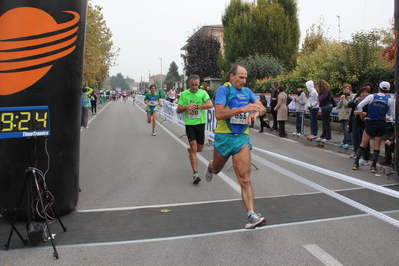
x: 249, y: 214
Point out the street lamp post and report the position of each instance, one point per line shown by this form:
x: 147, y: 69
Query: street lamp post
x: 149, y: 76
x: 161, y: 72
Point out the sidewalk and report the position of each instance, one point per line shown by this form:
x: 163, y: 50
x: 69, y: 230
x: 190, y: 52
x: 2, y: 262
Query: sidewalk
x: 336, y: 138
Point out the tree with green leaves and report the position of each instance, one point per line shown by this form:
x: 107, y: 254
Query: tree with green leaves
x: 172, y: 75
x: 270, y: 27
x: 100, y: 53
x: 315, y: 36
x: 259, y: 67
x: 343, y: 62
x: 119, y: 81
x: 202, y: 55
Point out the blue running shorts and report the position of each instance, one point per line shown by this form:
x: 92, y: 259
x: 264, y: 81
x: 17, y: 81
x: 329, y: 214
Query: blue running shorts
x: 229, y: 144
x: 151, y: 111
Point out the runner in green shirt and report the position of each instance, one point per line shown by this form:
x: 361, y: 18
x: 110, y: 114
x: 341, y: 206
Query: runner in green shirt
x: 194, y: 102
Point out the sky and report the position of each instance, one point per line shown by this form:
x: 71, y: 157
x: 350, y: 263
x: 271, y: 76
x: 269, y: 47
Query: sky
x: 151, y: 33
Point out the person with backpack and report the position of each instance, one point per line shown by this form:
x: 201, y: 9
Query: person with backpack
x: 236, y: 107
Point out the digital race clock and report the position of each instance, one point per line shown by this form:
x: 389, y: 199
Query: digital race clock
x: 24, y: 121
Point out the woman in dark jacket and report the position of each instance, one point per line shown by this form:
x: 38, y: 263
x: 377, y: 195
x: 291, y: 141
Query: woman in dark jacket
x: 325, y: 103
x: 273, y: 103
x: 263, y: 124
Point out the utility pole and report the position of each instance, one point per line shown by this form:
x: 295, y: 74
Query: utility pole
x: 161, y: 72
x: 339, y: 28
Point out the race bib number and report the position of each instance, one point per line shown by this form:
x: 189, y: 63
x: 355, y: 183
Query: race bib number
x: 239, y: 119
x: 196, y: 114
x: 153, y: 103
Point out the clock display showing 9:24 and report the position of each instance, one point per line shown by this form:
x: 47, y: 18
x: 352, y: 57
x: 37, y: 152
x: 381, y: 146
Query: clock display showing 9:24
x: 25, y: 121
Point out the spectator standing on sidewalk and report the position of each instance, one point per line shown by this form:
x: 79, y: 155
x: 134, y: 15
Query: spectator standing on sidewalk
x: 389, y: 151
x: 313, y: 107
x: 210, y: 93
x: 344, y: 114
x: 355, y: 120
x: 236, y: 107
x: 361, y: 124
x: 380, y: 105
x: 300, y: 103
x: 273, y: 103
x: 282, y: 111
x: 93, y: 102
x: 326, y: 105
x: 85, y: 106
x: 263, y: 124
x: 162, y: 93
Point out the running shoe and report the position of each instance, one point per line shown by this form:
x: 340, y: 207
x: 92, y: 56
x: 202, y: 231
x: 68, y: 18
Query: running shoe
x: 353, y: 155
x: 154, y: 134
x: 355, y: 165
x: 373, y: 168
x: 208, y: 175
x: 364, y: 162
x: 299, y: 134
x: 325, y: 140
x: 319, y: 139
x: 255, y: 220
x: 346, y: 146
x: 196, y: 178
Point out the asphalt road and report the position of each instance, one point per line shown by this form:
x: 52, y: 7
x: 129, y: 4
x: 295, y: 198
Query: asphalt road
x: 138, y: 205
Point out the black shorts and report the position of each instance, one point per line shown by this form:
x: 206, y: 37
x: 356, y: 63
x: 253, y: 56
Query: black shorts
x: 170, y: 100
x: 196, y: 132
x: 376, y: 128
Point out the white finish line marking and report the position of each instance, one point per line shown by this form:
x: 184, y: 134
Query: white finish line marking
x: 321, y: 255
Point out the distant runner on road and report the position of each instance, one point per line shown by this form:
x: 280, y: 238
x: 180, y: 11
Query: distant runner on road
x: 152, y: 101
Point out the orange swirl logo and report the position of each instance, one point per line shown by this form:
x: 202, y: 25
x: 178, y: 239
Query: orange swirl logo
x: 30, y: 41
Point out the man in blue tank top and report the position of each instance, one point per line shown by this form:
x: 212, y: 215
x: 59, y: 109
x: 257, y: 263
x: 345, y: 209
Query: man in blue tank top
x: 236, y: 107
x: 380, y: 105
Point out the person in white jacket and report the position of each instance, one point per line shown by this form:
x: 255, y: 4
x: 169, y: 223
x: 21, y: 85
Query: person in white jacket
x: 313, y: 107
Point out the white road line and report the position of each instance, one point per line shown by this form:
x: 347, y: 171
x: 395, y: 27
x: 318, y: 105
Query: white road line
x: 328, y: 192
x: 336, y: 175
x: 269, y: 227
x: 88, y: 123
x: 323, y: 256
